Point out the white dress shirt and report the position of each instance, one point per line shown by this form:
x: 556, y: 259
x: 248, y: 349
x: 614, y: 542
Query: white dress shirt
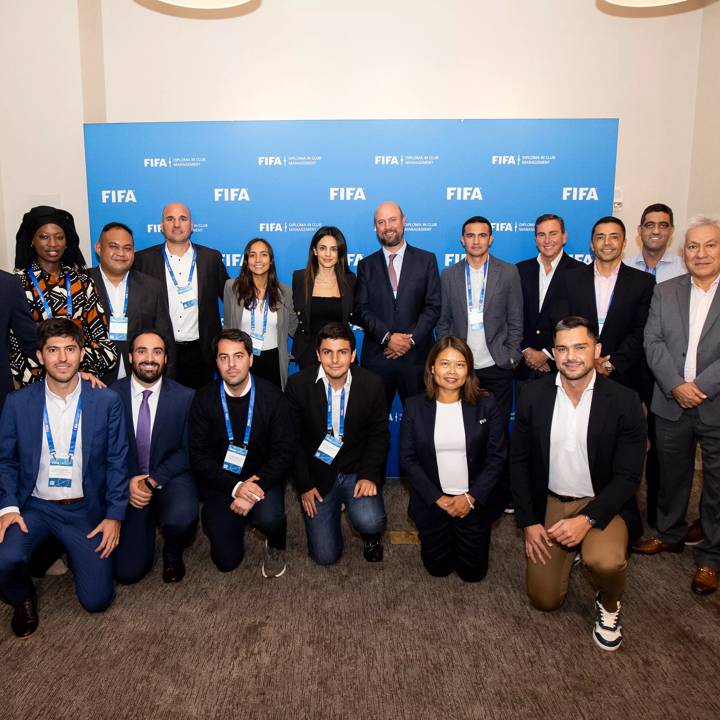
x: 604, y: 290
x: 450, y: 449
x: 700, y: 302
x: 271, y: 332
x: 184, y: 320
x: 545, y: 278
x: 476, y: 338
x: 116, y: 296
x: 335, y: 397
x: 61, y: 415
x: 397, y: 262
x: 569, y: 471
x: 667, y: 267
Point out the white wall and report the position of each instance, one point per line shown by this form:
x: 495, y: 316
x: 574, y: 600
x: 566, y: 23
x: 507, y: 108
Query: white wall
x: 337, y: 59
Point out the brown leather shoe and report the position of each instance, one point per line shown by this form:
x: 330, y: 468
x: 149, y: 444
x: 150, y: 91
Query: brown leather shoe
x: 694, y: 533
x: 705, y: 580
x: 654, y: 545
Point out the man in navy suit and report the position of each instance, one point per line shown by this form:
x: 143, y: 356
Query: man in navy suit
x: 162, y: 488
x: 133, y: 301
x: 397, y: 302
x: 63, y: 454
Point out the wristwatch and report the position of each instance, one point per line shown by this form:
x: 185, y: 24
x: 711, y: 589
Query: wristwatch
x: 591, y: 521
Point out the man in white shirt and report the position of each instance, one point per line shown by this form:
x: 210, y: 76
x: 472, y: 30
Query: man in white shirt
x: 194, y: 279
x: 63, y: 452
x: 682, y: 344
x: 576, y: 461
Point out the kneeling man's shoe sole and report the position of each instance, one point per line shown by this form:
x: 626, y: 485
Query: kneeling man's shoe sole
x: 274, y: 564
x: 607, y: 632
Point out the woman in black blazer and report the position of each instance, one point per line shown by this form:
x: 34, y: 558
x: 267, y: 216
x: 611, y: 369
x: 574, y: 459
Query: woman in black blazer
x: 452, y: 449
x: 323, y: 292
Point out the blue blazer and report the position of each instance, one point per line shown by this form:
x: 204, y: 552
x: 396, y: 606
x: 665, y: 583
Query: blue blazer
x: 416, y: 309
x: 484, y: 446
x: 104, y: 450
x: 169, y: 440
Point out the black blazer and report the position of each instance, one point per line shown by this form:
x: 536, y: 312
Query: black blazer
x: 14, y: 315
x: 416, y: 309
x: 484, y: 445
x: 622, y: 335
x: 366, y: 439
x: 211, y: 278
x: 616, y: 439
x: 169, y: 440
x: 269, y: 450
x: 147, y: 308
x: 303, y: 341
x: 537, y: 322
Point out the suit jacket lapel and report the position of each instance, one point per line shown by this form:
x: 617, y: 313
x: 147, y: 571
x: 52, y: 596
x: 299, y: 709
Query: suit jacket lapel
x: 35, y: 410
x: 88, y: 423
x: 712, y: 316
x: 598, y: 412
x: 545, y: 410
x: 163, y: 417
x: 619, y: 294
x: 683, y: 298
x: 492, y: 281
x: 408, y: 266
x: 201, y: 271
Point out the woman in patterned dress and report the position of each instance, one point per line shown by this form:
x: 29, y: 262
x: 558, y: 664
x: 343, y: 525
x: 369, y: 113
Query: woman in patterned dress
x: 51, y: 269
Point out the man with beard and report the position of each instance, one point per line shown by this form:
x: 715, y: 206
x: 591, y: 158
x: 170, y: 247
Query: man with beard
x: 161, y: 486
x: 576, y: 459
x: 397, y: 302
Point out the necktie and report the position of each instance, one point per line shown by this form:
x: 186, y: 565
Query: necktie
x: 392, y: 273
x: 142, y: 435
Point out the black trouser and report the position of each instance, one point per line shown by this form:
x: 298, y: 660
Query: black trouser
x: 401, y: 377
x: 192, y: 369
x: 450, y: 543
x: 267, y: 366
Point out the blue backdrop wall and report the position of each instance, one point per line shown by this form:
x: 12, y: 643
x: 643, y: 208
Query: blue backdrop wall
x: 281, y: 180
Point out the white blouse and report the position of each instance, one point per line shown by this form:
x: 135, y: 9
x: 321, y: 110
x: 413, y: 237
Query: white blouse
x: 450, y: 448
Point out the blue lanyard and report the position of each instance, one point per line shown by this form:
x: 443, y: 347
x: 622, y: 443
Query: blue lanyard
x: 228, y: 426
x: 265, y: 317
x: 468, y: 285
x: 43, y: 299
x: 73, y: 437
x: 342, y: 412
x: 172, y: 274
x: 127, y: 289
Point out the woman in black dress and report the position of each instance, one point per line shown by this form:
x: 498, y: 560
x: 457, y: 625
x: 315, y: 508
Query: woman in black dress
x: 323, y: 292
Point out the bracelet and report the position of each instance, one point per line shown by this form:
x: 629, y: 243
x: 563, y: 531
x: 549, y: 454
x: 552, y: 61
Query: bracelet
x: 469, y: 501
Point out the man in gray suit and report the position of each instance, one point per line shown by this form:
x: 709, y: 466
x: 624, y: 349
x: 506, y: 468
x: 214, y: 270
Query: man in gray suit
x: 482, y: 303
x: 682, y: 343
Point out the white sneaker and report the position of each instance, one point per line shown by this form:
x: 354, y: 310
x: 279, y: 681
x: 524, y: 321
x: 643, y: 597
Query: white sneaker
x: 274, y: 563
x: 607, y: 632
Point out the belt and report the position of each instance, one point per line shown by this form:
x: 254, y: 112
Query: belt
x: 67, y: 501
x: 563, y: 498
x: 187, y: 342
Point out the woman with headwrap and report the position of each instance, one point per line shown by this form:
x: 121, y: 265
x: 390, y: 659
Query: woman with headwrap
x: 51, y: 268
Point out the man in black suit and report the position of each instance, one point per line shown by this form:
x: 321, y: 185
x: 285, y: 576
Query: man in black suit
x: 540, y: 279
x: 576, y: 459
x: 14, y: 317
x: 615, y: 298
x: 397, y: 302
x: 162, y: 490
x: 194, y: 279
x: 241, y: 442
x: 133, y: 301
x: 341, y: 440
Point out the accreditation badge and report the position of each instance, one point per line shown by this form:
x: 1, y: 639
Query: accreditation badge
x: 328, y: 450
x: 235, y: 459
x: 60, y: 472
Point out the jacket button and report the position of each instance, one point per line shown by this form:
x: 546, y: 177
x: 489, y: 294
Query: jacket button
x: 537, y: 332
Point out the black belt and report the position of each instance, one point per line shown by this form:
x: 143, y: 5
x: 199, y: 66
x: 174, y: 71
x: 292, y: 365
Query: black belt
x: 563, y: 498
x: 187, y: 342
x: 67, y: 501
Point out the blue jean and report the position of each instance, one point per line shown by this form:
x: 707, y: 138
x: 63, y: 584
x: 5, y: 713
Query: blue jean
x: 324, y: 535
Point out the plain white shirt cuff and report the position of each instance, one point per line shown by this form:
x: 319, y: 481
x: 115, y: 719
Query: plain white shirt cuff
x: 235, y: 489
x: 9, y: 509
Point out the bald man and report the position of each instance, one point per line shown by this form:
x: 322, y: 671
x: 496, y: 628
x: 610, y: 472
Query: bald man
x: 194, y: 278
x: 397, y: 302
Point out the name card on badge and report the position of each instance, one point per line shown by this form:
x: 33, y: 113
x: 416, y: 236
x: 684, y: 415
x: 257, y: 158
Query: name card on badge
x: 118, y: 327
x: 186, y: 295
x: 60, y: 472
x: 235, y: 459
x: 328, y: 450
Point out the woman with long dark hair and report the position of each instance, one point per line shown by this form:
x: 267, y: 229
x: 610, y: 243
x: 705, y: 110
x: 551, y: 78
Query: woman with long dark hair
x: 322, y: 293
x: 52, y: 270
x: 452, y: 448
x: 258, y: 303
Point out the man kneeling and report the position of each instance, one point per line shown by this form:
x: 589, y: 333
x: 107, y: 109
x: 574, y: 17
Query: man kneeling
x: 576, y: 460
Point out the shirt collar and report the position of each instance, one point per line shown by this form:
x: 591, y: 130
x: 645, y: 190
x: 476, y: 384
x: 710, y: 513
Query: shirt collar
x: 613, y: 275
x: 49, y: 394
x: 137, y: 389
x: 189, y: 251
x: 590, y: 386
x: 110, y: 283
x: 553, y: 264
x: 322, y: 376
x: 710, y: 289
x: 229, y: 393
x: 400, y: 253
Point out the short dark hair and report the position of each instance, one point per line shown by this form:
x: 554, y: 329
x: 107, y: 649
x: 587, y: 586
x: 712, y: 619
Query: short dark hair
x: 575, y: 321
x: 59, y: 327
x: 147, y: 331
x: 336, y: 331
x: 118, y: 226
x: 476, y: 219
x: 550, y: 216
x: 608, y: 219
x: 234, y: 335
x: 658, y: 207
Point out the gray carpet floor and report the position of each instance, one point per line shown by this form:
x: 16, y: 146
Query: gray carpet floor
x: 361, y: 640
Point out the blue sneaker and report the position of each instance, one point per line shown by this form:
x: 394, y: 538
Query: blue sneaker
x: 607, y: 632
